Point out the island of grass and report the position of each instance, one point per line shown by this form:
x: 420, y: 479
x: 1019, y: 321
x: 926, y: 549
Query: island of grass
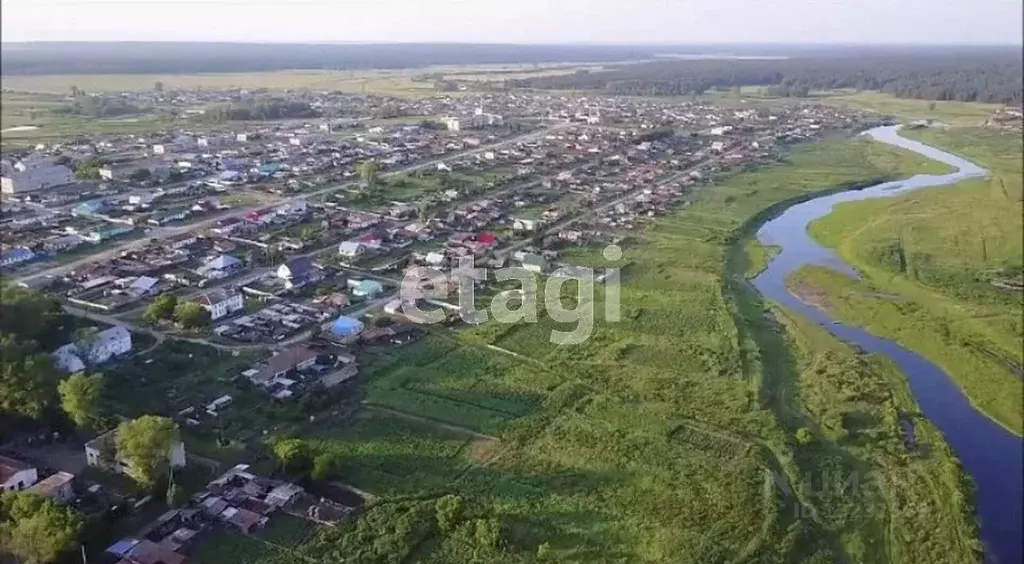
x: 941, y: 270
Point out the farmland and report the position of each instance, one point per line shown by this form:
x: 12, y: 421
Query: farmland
x: 954, y: 297
x: 663, y: 437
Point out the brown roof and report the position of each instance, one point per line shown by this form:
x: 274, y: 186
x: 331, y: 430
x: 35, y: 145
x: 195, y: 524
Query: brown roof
x: 286, y: 360
x: 11, y: 466
x: 148, y: 552
x: 49, y: 485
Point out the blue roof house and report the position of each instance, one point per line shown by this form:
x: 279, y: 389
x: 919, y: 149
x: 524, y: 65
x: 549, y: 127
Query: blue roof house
x: 346, y: 327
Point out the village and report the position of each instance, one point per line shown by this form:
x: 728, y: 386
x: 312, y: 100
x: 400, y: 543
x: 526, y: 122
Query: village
x: 280, y: 248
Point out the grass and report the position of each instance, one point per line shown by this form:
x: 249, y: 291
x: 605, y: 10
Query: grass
x: 656, y: 439
x: 958, y: 244
x: 907, y: 109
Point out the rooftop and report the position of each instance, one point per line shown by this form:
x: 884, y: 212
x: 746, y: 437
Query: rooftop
x: 11, y: 466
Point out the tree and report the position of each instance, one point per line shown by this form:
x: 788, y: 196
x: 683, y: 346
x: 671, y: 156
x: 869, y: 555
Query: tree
x: 487, y: 533
x: 191, y: 315
x: 326, y: 467
x: 161, y: 308
x: 145, y: 445
x: 369, y: 171
x: 309, y: 233
x: 293, y: 455
x: 28, y: 379
x: 544, y: 551
x: 80, y: 397
x: 35, y: 529
x: 449, y: 512
x: 804, y: 436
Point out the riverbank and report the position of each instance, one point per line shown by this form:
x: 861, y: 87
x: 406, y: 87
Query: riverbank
x: 990, y: 454
x: 952, y: 256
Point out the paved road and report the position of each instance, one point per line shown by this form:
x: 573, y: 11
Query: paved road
x: 165, y: 232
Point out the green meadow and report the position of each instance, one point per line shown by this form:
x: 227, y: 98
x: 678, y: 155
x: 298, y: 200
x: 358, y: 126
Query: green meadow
x: 705, y: 426
x: 942, y: 270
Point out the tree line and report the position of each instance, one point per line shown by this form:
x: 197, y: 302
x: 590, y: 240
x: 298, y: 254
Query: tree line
x: 989, y: 76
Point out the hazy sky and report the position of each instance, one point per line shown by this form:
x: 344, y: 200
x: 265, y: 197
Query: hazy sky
x: 518, y: 21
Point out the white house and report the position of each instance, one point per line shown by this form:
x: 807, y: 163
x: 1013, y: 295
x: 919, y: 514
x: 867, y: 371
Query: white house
x: 220, y: 303
x: 350, y: 249
x: 521, y: 224
x: 16, y: 475
x: 94, y: 349
x: 107, y: 344
x: 94, y: 453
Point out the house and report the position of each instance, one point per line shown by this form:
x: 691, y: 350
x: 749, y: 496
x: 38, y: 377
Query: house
x: 534, y: 263
x: 452, y: 123
x: 571, y: 235
x: 346, y: 327
x: 521, y: 224
x: 96, y: 348
x: 142, y: 286
x: 16, y: 475
x: 351, y: 249
x: 31, y: 175
x: 298, y: 271
x: 220, y: 267
x: 434, y: 258
x: 16, y: 256
x: 283, y: 363
x: 146, y: 551
x: 365, y: 288
x: 347, y: 369
x: 220, y: 302
x: 58, y: 487
x: 225, y: 227
x: 98, y: 453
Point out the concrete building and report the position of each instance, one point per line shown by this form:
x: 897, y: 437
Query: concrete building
x: 98, y: 450
x: 58, y: 487
x: 94, y: 349
x: 16, y: 475
x: 220, y: 303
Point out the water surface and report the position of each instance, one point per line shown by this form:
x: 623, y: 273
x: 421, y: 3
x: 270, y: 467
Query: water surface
x: 991, y: 455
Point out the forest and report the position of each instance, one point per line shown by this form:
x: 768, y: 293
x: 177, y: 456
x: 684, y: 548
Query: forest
x: 970, y: 76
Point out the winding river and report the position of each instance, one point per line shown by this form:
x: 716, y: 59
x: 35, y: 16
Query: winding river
x: 990, y: 454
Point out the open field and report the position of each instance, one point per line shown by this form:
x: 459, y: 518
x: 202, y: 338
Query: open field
x: 396, y: 82
x: 962, y: 252
x: 658, y: 438
x: 908, y: 109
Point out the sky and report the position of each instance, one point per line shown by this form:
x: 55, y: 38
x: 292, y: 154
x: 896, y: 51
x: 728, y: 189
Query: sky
x: 517, y: 21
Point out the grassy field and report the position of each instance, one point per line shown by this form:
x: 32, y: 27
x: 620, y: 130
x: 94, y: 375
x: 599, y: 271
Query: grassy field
x: 666, y: 437
x: 946, y: 255
x: 395, y: 82
x: 949, y: 112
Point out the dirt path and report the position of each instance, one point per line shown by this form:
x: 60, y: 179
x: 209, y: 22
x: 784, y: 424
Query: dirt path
x: 429, y: 421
